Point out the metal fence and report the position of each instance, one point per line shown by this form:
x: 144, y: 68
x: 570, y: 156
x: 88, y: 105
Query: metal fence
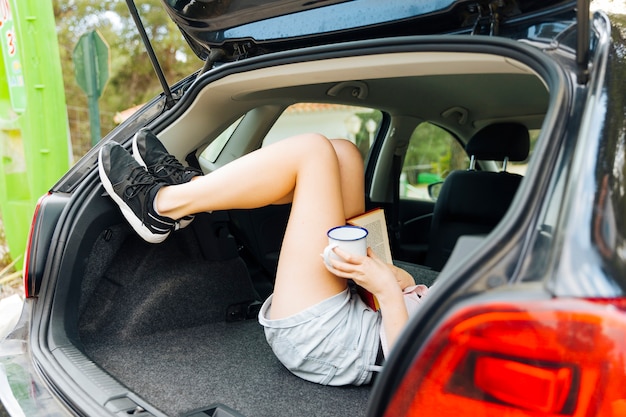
x: 80, y: 134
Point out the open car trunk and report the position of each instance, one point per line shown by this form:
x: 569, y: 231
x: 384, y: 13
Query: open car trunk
x: 172, y: 328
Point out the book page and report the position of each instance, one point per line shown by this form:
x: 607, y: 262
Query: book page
x: 377, y: 237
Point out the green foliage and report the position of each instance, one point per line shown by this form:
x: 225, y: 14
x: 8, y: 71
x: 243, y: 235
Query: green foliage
x: 132, y: 79
x: 362, y: 138
x: 428, y: 143
x: 433, y: 150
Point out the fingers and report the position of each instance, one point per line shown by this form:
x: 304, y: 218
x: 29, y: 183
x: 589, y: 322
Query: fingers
x: 340, y: 269
x: 367, y: 271
x: 347, y: 266
x: 356, y: 259
x: 372, y: 254
x: 347, y: 256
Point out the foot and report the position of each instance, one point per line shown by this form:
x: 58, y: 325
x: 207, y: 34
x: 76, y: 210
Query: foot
x: 134, y: 190
x: 149, y: 152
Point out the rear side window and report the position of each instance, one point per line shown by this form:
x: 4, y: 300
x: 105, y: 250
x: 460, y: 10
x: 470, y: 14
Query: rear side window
x: 212, y: 152
x: 432, y: 154
x: 360, y: 125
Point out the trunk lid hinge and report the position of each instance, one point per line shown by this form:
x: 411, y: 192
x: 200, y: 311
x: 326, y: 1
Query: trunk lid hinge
x: 488, y: 18
x: 241, y: 50
x: 235, y: 51
x: 169, y: 99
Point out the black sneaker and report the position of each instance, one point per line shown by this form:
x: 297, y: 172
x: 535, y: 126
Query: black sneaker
x: 133, y: 189
x: 150, y: 152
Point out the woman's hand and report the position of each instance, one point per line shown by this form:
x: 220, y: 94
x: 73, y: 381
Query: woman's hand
x: 368, y: 272
x: 404, y: 278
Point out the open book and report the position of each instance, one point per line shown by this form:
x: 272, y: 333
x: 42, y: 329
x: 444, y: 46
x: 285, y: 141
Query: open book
x: 378, y: 239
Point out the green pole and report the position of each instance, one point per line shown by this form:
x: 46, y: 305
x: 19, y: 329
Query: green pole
x: 92, y: 95
x: 34, y: 137
x: 91, y: 68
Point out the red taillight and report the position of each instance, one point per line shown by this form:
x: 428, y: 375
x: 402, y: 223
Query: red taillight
x: 533, y: 386
x: 27, y: 275
x: 545, y: 358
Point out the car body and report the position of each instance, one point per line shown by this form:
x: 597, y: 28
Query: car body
x: 526, y: 318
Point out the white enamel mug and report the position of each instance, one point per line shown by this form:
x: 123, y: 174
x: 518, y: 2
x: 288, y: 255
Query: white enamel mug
x: 351, y: 239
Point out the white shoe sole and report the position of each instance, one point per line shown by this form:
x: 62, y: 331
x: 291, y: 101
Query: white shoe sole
x: 136, y: 154
x: 127, y: 212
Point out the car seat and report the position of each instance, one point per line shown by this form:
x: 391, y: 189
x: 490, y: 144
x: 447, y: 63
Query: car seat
x: 473, y: 202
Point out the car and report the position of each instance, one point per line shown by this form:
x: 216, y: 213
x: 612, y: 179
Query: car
x: 493, y: 135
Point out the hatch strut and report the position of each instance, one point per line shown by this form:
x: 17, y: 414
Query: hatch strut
x: 169, y: 100
x: 492, y: 21
x: 582, y: 41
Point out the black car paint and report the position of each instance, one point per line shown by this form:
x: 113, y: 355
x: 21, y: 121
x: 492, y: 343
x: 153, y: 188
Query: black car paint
x: 592, y: 133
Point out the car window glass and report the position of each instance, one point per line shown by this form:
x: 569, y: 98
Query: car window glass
x: 432, y: 154
x: 357, y: 124
x: 212, y: 152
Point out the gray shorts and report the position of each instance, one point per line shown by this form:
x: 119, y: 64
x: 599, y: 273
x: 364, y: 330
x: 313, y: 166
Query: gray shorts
x: 334, y: 342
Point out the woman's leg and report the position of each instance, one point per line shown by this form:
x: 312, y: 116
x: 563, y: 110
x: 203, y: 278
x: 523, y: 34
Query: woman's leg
x: 291, y: 276
x: 351, y: 172
x: 306, y: 168
x: 352, y: 177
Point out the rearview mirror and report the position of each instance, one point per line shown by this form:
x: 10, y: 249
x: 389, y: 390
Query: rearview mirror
x: 434, y: 189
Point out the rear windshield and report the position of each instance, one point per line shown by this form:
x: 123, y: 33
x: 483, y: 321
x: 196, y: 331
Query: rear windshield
x: 336, y: 17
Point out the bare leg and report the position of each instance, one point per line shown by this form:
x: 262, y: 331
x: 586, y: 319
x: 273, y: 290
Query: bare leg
x: 352, y: 179
x: 305, y: 168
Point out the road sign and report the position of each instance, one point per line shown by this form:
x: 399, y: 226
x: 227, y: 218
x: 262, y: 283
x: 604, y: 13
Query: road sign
x: 91, y: 67
x: 91, y: 63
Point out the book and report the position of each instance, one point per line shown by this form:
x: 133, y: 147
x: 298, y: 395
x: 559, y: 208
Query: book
x: 378, y: 239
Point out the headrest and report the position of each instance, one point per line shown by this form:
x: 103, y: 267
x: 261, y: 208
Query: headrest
x: 500, y: 140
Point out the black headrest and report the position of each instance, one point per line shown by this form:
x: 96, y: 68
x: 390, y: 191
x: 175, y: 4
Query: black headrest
x: 500, y: 140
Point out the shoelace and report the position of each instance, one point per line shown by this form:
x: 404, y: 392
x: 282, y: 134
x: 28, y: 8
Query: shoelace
x: 171, y: 167
x: 140, y: 181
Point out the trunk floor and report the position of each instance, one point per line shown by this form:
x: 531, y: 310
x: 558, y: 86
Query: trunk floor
x: 229, y: 363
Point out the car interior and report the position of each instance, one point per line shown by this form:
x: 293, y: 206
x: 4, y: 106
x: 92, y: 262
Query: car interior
x: 473, y: 202
x: 174, y: 325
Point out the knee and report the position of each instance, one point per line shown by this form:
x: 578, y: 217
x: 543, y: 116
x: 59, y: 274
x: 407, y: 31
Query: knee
x: 319, y: 147
x: 316, y: 145
x: 345, y: 149
x: 348, y: 154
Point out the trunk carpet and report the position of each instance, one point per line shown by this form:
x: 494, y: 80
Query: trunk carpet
x: 153, y: 316
x: 229, y: 363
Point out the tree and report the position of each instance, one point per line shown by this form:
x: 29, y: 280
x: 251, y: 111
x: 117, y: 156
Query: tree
x: 433, y: 146
x: 132, y: 79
